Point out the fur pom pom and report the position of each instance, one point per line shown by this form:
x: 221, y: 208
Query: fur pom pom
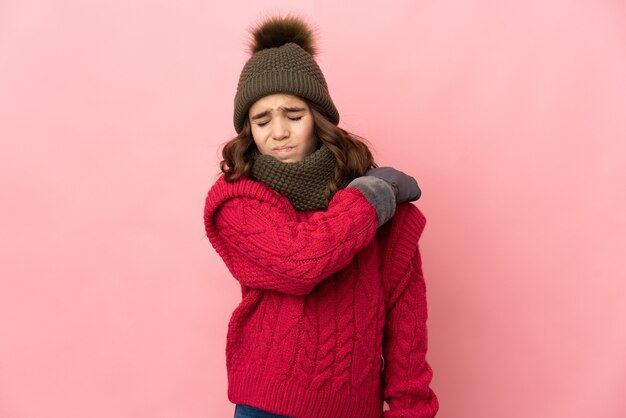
x: 277, y: 31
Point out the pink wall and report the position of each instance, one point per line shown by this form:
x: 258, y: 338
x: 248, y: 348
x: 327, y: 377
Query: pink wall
x: 511, y: 115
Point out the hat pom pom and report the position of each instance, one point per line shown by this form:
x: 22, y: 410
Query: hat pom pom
x: 277, y: 31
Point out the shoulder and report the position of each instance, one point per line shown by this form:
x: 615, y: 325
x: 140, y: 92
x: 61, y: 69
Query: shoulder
x: 239, y: 193
x: 223, y: 191
x: 407, y: 225
x: 399, y: 237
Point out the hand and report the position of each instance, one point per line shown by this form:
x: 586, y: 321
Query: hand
x: 404, y: 186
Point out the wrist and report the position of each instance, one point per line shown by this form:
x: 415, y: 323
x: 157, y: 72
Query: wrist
x: 379, y: 194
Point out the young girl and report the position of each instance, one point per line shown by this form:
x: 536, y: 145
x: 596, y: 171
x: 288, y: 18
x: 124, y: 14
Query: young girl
x: 332, y: 320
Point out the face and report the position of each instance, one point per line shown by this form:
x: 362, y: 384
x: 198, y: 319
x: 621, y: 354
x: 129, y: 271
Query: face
x: 282, y: 126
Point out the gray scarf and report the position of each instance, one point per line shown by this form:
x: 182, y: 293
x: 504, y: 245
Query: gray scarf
x: 304, y: 182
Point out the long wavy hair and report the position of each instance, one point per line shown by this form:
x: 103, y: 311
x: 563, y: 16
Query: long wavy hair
x: 351, y: 151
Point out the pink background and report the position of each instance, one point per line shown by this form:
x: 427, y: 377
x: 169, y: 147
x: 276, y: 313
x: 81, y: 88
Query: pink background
x: 511, y: 115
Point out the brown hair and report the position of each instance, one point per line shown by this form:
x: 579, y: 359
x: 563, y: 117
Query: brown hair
x: 351, y: 151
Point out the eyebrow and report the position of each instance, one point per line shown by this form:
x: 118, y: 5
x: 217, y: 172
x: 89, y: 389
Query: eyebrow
x: 285, y: 109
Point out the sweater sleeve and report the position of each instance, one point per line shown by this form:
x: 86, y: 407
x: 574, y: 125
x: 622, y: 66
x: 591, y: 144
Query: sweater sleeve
x: 265, y: 245
x: 406, y: 373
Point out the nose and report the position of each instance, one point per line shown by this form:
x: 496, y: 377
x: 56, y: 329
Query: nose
x: 280, y: 129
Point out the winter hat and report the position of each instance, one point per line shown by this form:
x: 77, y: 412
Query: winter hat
x: 282, y: 62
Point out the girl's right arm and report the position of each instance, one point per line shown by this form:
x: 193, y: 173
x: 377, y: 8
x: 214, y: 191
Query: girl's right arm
x: 264, y: 244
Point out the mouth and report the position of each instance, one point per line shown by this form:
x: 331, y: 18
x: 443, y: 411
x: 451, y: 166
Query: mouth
x: 282, y: 149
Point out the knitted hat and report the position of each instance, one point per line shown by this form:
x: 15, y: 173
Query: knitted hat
x: 282, y: 62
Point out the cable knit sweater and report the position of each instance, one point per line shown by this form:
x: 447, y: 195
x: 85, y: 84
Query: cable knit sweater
x: 326, y: 296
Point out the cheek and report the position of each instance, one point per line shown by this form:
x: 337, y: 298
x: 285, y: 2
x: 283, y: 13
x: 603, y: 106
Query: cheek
x: 311, y: 135
x: 256, y: 137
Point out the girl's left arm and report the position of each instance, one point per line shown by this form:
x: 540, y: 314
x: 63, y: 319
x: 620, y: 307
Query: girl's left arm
x: 406, y: 374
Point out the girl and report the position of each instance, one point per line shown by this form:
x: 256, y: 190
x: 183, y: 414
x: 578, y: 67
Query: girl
x: 324, y: 243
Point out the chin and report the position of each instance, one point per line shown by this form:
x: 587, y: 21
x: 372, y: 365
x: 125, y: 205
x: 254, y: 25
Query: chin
x: 284, y: 159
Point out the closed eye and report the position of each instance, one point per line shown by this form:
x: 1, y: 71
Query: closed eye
x: 294, y: 118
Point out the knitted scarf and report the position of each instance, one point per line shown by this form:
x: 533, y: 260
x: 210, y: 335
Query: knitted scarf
x: 303, y: 182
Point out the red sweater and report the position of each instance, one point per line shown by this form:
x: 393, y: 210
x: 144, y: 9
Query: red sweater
x: 326, y: 295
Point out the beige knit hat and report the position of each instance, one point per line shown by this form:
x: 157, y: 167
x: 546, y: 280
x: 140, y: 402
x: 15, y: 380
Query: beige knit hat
x: 282, y: 62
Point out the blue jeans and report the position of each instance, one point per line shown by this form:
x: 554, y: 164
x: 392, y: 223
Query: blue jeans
x: 246, y: 411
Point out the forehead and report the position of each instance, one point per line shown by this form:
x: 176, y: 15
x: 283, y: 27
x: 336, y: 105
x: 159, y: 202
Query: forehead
x: 274, y: 101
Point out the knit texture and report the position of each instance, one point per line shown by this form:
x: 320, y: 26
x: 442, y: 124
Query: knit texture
x: 303, y: 182
x: 325, y: 294
x: 286, y: 69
